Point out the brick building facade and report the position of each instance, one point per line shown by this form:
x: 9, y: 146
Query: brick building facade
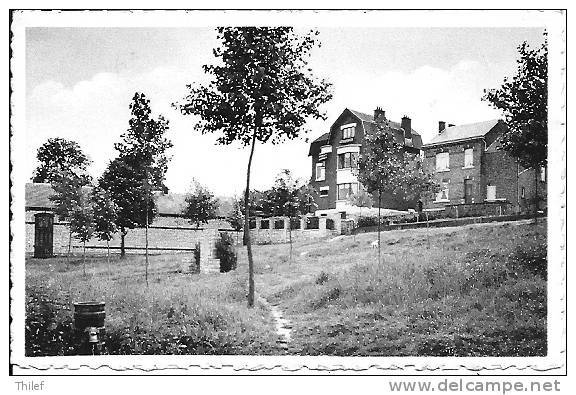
x: 470, y: 168
x: 335, y: 154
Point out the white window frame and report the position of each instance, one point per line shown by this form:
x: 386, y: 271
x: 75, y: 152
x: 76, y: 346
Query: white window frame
x: 352, y: 191
x: 488, y: 189
x: 348, y: 127
x: 445, y: 190
x: 471, y: 157
x: 446, y: 165
x: 321, y: 165
x: 324, y: 189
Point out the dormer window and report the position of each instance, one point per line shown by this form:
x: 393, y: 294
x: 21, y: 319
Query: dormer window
x: 348, y: 131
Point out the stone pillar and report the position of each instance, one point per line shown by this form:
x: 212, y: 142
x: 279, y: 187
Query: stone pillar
x: 322, y: 224
x: 337, y: 225
x: 256, y: 233
x: 303, y: 222
x: 208, y: 261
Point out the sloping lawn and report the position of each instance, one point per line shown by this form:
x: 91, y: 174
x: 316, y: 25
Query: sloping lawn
x: 176, y: 314
x: 480, y: 290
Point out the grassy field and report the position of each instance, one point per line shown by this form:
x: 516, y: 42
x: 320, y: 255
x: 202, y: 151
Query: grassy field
x: 176, y: 314
x: 480, y: 290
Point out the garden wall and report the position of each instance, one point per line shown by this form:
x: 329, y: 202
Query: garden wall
x: 276, y: 229
x: 161, y: 239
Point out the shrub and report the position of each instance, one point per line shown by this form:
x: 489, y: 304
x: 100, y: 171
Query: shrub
x: 321, y: 278
x: 367, y: 221
x: 195, y: 267
x: 226, y: 252
x: 313, y: 223
x: 330, y: 224
x: 294, y: 223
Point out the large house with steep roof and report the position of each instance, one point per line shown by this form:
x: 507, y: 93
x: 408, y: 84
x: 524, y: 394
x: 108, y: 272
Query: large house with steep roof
x: 470, y: 168
x: 335, y: 153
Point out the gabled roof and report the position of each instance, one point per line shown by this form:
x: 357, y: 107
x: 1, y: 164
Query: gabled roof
x: 463, y: 132
x: 322, y: 138
x: 37, y: 195
x: 370, y: 127
x: 370, y: 119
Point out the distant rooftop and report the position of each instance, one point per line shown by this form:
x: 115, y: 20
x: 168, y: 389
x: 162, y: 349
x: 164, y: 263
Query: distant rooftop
x: 463, y: 132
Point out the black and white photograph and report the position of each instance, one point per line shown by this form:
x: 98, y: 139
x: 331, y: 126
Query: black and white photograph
x: 288, y: 191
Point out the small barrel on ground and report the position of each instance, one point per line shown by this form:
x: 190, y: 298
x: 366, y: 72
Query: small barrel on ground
x: 89, y: 326
x: 89, y: 314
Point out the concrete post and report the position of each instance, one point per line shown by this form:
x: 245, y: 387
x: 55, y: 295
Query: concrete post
x: 303, y: 222
x: 257, y: 230
x: 208, y: 261
x: 337, y: 224
x: 322, y: 224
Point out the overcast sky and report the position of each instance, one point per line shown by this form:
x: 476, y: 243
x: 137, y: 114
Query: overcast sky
x: 80, y: 81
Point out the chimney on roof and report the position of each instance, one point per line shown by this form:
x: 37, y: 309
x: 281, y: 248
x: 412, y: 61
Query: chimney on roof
x: 407, y: 126
x: 379, y: 115
x: 441, y: 126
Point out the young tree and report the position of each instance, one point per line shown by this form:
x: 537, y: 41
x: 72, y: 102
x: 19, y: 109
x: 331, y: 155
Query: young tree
x: 67, y: 195
x: 523, y: 101
x: 140, y: 166
x: 201, y: 205
x: 261, y: 90
x: 235, y: 217
x: 385, y: 166
x: 82, y: 223
x: 129, y: 194
x: 105, y: 217
x: 57, y: 156
x: 290, y: 197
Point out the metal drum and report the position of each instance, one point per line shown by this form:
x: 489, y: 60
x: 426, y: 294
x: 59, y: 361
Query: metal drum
x: 89, y: 314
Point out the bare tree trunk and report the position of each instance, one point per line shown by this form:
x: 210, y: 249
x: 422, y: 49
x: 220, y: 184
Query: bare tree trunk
x: 147, y: 188
x: 69, y: 244
x: 122, y: 245
x: 535, y: 195
x: 379, y: 224
x: 427, y: 231
x: 247, y: 227
x: 108, y: 257
x: 290, y: 236
x: 84, y: 257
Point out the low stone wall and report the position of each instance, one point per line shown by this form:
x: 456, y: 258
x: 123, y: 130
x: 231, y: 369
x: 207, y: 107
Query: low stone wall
x: 479, y: 209
x: 161, y: 239
x: 276, y: 229
x: 441, y: 223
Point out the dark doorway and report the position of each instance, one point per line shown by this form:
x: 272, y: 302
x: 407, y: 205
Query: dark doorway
x: 467, y: 191
x: 43, y: 235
